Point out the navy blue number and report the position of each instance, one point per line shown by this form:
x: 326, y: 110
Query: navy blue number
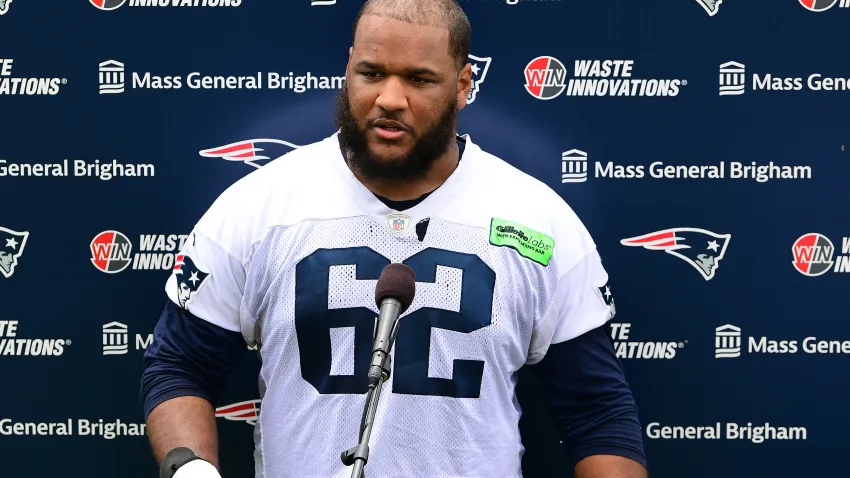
x: 413, y: 342
x: 313, y: 321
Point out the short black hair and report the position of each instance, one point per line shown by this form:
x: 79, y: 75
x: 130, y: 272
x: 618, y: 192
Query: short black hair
x: 437, y: 13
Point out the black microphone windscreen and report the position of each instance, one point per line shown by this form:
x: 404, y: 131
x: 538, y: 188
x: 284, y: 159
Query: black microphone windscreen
x: 397, y: 281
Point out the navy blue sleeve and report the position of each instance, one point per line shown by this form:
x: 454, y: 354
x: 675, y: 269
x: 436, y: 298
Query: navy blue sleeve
x: 586, y: 389
x: 188, y: 356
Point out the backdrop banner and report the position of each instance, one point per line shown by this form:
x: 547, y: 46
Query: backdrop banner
x: 702, y: 142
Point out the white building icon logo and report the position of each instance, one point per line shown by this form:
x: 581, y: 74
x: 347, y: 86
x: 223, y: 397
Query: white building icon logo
x: 727, y: 341
x: 573, y: 166
x: 733, y: 78
x: 111, y: 77
x: 115, y: 339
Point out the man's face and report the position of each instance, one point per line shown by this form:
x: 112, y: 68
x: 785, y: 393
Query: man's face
x: 397, y: 112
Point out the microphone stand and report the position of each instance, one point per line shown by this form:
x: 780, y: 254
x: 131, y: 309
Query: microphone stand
x: 379, y: 372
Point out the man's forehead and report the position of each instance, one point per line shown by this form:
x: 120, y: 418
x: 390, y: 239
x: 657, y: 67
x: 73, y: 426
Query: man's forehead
x: 377, y: 32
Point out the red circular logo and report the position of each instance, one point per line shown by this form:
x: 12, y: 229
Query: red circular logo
x: 812, y: 254
x: 818, y: 5
x: 108, y: 4
x: 545, y: 77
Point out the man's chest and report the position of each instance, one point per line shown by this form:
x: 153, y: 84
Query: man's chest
x: 314, y: 288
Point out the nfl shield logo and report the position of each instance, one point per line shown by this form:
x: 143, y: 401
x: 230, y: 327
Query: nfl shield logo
x: 398, y: 222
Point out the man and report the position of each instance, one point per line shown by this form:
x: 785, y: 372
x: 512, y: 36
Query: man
x: 287, y: 259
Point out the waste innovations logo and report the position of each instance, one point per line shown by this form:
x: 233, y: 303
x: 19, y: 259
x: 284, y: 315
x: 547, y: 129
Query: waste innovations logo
x: 700, y: 248
x: 546, y: 79
x: 107, y: 430
x: 12, y: 244
x: 728, y: 344
x: 710, y: 6
x: 111, y: 80
x: 109, y: 5
x: 814, y: 255
x: 12, y: 345
x: 628, y: 349
x: 4, y: 6
x: 823, y: 5
x: 112, y: 252
x: 733, y: 81
x: 26, y: 86
x: 575, y: 168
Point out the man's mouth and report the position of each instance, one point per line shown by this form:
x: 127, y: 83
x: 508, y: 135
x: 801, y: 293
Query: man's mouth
x: 389, y: 129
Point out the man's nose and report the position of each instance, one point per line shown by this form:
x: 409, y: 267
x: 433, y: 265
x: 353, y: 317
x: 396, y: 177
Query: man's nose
x: 393, y: 96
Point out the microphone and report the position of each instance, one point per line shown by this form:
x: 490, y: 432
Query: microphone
x: 393, y: 295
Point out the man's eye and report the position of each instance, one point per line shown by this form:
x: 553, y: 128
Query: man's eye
x: 370, y: 74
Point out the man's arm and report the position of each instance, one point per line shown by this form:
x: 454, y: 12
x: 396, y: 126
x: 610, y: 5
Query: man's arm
x: 585, y: 388
x: 609, y: 466
x: 186, y: 367
x: 186, y: 421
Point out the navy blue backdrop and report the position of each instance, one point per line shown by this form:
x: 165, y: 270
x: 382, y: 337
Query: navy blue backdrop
x: 716, y: 360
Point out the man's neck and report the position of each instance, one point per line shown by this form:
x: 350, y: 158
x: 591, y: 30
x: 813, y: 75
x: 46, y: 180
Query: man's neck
x: 404, y: 190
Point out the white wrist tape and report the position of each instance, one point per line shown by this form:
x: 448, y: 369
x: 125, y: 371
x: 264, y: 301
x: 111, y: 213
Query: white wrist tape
x: 197, y: 469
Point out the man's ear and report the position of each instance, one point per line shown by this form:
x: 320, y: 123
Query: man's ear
x: 464, y: 84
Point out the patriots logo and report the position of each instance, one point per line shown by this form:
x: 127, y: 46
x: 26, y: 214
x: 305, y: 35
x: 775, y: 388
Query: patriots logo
x: 700, y: 248
x: 247, y: 411
x: 4, y: 6
x: 12, y: 245
x: 251, y: 152
x: 479, y: 72
x: 189, y: 277
x: 604, y: 293
x: 710, y: 6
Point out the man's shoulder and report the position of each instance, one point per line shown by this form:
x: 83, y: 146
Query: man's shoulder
x: 297, y: 170
x: 297, y: 165
x: 509, y: 181
x: 245, y: 208
x: 512, y: 196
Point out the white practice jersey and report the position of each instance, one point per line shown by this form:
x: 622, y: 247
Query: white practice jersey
x: 290, y: 255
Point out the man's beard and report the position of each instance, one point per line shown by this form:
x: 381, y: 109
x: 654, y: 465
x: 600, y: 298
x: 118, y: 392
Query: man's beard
x: 429, y: 146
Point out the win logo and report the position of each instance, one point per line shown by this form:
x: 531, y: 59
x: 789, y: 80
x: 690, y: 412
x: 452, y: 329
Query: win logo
x: 545, y: 77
